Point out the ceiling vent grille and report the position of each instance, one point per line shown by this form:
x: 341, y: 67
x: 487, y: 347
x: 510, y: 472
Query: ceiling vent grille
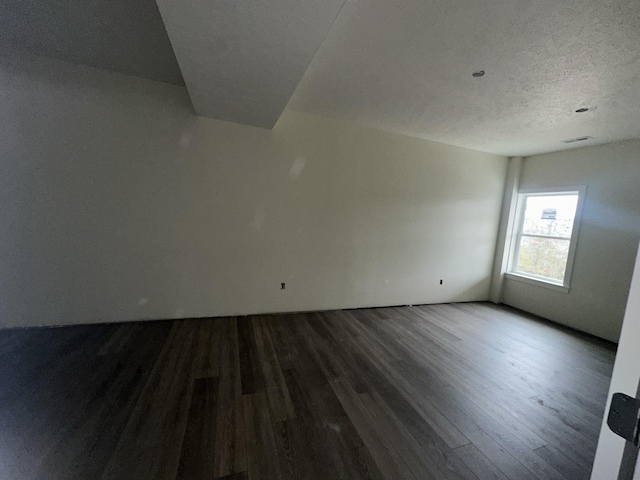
x: 579, y: 139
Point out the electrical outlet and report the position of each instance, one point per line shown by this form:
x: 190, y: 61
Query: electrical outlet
x: 440, y: 281
x: 282, y: 286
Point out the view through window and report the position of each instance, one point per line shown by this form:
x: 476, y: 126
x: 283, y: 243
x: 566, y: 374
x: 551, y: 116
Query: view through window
x: 545, y: 235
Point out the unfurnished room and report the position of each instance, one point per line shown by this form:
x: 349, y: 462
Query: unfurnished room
x: 305, y: 239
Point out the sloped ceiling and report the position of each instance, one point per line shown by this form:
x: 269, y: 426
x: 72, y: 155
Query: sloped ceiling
x: 124, y: 36
x: 242, y: 59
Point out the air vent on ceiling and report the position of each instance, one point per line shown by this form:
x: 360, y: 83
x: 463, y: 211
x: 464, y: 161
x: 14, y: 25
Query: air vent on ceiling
x: 579, y: 139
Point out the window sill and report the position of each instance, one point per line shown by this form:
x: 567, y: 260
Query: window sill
x: 537, y: 282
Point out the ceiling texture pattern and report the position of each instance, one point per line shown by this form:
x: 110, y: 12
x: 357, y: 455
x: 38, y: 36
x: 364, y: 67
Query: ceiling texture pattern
x: 407, y: 67
x: 403, y: 66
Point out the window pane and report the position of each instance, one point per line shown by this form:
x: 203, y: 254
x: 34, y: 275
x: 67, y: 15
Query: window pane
x: 550, y: 215
x: 545, y: 257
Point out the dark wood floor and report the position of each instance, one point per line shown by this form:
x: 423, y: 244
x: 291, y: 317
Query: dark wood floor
x: 460, y: 391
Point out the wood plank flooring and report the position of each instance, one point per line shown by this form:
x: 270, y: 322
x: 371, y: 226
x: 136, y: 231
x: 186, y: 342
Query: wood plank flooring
x: 456, y: 391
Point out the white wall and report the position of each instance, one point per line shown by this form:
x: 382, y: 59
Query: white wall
x: 506, y: 239
x: 607, y: 242
x: 116, y: 203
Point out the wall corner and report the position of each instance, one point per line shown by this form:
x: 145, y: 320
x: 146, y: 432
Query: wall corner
x: 505, y: 228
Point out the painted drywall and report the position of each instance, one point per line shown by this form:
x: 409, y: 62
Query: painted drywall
x: 607, y: 242
x: 118, y: 35
x: 505, y: 240
x: 117, y: 203
x: 242, y: 60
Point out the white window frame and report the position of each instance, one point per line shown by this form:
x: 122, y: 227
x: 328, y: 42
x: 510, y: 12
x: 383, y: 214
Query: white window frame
x: 553, y: 284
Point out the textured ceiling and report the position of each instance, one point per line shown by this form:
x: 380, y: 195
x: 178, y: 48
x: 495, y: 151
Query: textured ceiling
x: 406, y: 67
x: 242, y: 59
x: 126, y: 36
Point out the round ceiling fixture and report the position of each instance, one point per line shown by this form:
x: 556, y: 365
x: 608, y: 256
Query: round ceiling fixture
x: 582, y: 110
x: 479, y: 73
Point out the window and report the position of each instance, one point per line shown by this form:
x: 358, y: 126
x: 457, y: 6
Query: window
x: 547, y: 230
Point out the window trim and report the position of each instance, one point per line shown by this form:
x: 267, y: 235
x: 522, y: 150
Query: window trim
x: 523, y: 194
